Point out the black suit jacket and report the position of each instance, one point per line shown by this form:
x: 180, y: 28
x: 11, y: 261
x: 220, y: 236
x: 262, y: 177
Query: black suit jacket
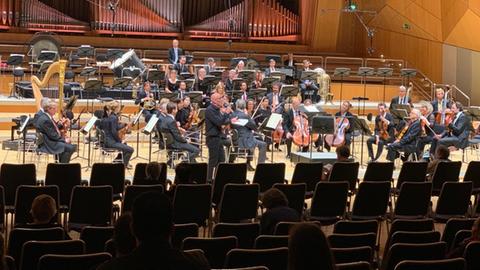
x: 435, y: 105
x: 170, y: 125
x: 391, y: 125
x: 180, y: 68
x: 279, y: 108
x: 245, y: 134
x: 214, y: 120
x: 53, y: 142
x: 229, y: 85
x: 111, y: 126
x: 36, y: 117
x: 171, y: 55
x: 287, y: 123
x: 412, y: 133
x: 460, y: 129
x: 396, y: 100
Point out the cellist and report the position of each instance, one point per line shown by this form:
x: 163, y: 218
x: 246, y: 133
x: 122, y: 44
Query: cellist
x: 383, y: 133
x: 344, y: 113
x: 289, y: 125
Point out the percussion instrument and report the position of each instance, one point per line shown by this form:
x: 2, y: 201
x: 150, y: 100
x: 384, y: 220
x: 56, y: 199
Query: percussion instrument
x: 128, y: 60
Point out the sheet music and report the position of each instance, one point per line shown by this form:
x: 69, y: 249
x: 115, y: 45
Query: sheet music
x: 311, y: 109
x: 24, y: 124
x: 240, y: 122
x: 273, y: 121
x: 86, y: 129
x: 151, y: 124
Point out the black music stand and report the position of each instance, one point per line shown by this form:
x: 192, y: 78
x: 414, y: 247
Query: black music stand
x: 255, y: 94
x: 169, y: 96
x: 364, y: 72
x: 154, y: 75
x: 276, y: 57
x: 384, y: 72
x: 408, y: 73
x: 268, y: 81
x: 237, y: 82
x: 85, y: 51
x: 47, y: 56
x: 148, y: 130
x: 87, y: 130
x: 270, y: 124
x: 289, y: 91
x: 13, y: 61
x: 247, y: 75
x: 121, y: 83
x: 278, y: 74
x: 114, y: 54
x: 400, y: 111
x: 211, y: 80
x: 342, y: 73
x: 94, y: 86
x: 473, y: 112
x: 133, y: 72
x: 323, y: 125
x: 23, y: 131
x: 234, y: 61
x: 136, y: 122
x: 237, y: 94
x: 186, y: 75
x: 87, y: 72
x: 216, y: 73
x: 195, y: 97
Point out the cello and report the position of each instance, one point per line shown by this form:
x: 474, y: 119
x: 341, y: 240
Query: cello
x: 338, y: 137
x: 301, y: 136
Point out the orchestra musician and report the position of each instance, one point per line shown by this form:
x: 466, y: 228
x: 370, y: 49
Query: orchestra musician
x: 275, y: 100
x: 184, y: 108
x: 219, y: 88
x: 250, y: 107
x: 174, y: 52
x: 383, y: 134
x: 289, y: 125
x: 427, y: 119
x: 232, y: 75
x: 263, y: 112
x: 246, y: 138
x: 244, y: 90
x: 181, y: 66
x: 257, y: 83
x: 53, y: 141
x: 146, y: 95
x: 43, y: 103
x: 211, y: 65
x: 199, y: 83
x: 440, y: 103
x: 407, y: 138
x: 402, y: 97
x: 289, y: 62
x: 171, y: 85
x: 271, y: 67
x: 111, y: 126
x: 308, y: 88
x: 457, y: 132
x: 216, y: 118
x: 240, y: 66
x: 344, y: 113
x: 182, y: 90
x: 170, y: 125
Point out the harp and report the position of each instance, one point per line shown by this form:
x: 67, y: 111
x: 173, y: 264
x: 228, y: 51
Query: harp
x: 55, y: 68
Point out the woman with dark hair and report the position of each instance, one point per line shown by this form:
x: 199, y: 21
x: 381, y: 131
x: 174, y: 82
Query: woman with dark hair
x: 123, y: 238
x: 276, y: 204
x: 308, y: 248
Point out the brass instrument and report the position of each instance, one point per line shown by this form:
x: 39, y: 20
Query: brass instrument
x: 149, y: 104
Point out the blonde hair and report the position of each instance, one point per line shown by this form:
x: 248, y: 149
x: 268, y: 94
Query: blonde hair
x: 219, y: 88
x: 438, y: 90
x: 112, y: 106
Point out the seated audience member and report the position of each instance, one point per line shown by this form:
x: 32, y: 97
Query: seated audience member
x: 343, y: 155
x: 123, y: 238
x: 152, y: 224
x: 277, y: 210
x: 441, y: 154
x: 153, y: 171
x: 460, y: 249
x: 44, y: 212
x: 308, y: 248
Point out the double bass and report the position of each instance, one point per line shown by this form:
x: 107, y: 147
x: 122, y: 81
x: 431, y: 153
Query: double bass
x: 338, y: 137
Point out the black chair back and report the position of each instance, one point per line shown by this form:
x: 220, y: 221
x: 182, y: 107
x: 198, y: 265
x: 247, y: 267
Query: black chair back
x: 65, y: 176
x: 271, y: 241
x: 90, y: 206
x: 283, y: 228
x: 268, y: 174
x: 132, y: 192
x: 353, y: 254
x: 14, y: 175
x: 109, y: 174
x: 19, y: 236
x: 445, y: 264
x: 471, y: 255
x: 337, y: 240
x: 355, y: 226
x: 194, y: 172
x: 345, y: 171
x: 401, y: 252
x: 453, y: 201
x: 95, y: 238
x: 379, y: 171
x: 192, y: 203
x: 446, y: 171
x: 371, y: 200
x: 414, y: 237
x: 413, y: 200
x: 454, y: 225
x: 72, y: 262
x: 246, y: 233
x: 215, y: 249
x: 140, y: 174
x: 295, y: 194
x: 239, y: 202
x: 412, y: 171
x: 24, y: 198
x: 273, y: 259
x: 33, y: 250
x: 460, y: 236
x: 228, y: 173
x: 2, y: 208
x: 358, y: 265
x: 308, y: 173
x: 182, y: 231
x: 329, y: 202
x: 471, y: 175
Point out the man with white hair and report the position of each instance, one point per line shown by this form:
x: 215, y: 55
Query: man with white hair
x: 402, y: 98
x: 406, y: 140
x: 43, y: 103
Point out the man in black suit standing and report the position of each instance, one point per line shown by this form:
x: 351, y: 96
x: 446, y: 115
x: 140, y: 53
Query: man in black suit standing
x: 271, y: 67
x: 275, y: 100
x: 401, y: 98
x: 169, y: 125
x: 211, y: 65
x: 146, y: 95
x: 216, y: 117
x: 408, y: 141
x: 457, y: 132
x: 174, y: 53
x: 246, y: 138
x: 53, y: 142
x: 383, y: 123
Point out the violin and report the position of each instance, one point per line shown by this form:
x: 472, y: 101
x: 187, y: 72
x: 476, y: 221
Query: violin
x: 383, y: 129
x: 338, y: 137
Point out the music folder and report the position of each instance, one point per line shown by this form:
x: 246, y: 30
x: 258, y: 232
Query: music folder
x: 88, y: 126
x: 273, y: 121
x: 240, y: 122
x: 151, y: 124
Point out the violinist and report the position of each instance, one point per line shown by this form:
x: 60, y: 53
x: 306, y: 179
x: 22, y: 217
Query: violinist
x: 275, y: 100
x: 289, y: 125
x: 344, y: 113
x: 427, y: 119
x: 406, y: 140
x: 244, y: 90
x: 440, y: 106
x: 53, y: 142
x: 145, y: 99
x: 263, y: 112
x: 111, y: 126
x: 183, y: 111
x: 257, y: 83
x: 383, y: 134
x: 457, y: 132
x: 232, y: 75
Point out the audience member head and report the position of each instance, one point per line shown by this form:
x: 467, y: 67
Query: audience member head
x: 44, y: 209
x: 153, y: 170
x: 123, y: 237
x: 442, y: 152
x: 182, y: 174
x: 274, y: 198
x: 343, y: 153
x: 308, y: 248
x: 152, y: 215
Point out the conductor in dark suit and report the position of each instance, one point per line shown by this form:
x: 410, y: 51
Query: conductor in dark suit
x: 409, y: 139
x: 246, y: 138
x: 174, y: 52
x: 401, y: 98
x: 382, y: 120
x: 216, y: 117
x: 275, y: 100
x: 169, y: 125
x: 146, y: 95
x: 457, y: 132
x: 53, y: 142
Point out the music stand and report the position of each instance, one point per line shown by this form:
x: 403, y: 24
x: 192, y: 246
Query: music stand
x: 216, y: 73
x: 234, y: 61
x: 47, y: 56
x: 113, y: 54
x: 247, y: 75
x: 94, y: 86
x: 133, y: 72
x: 288, y: 91
x: 342, y: 72
x: 13, y: 61
x: 270, y: 124
x: 257, y: 93
x: 364, y: 72
x: 237, y: 94
x: 278, y: 74
x: 473, y: 112
x: 323, y: 125
x: 186, y: 75
x: 408, y: 72
x: 362, y: 126
x: 384, y: 72
x: 400, y: 111
x: 87, y: 72
x: 44, y: 66
x: 236, y: 83
x: 86, y: 130
x: 148, y: 130
x: 121, y: 83
x: 276, y: 57
x: 169, y: 96
x: 195, y: 96
x: 85, y: 51
x: 155, y: 75
x: 268, y: 81
x: 211, y: 80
